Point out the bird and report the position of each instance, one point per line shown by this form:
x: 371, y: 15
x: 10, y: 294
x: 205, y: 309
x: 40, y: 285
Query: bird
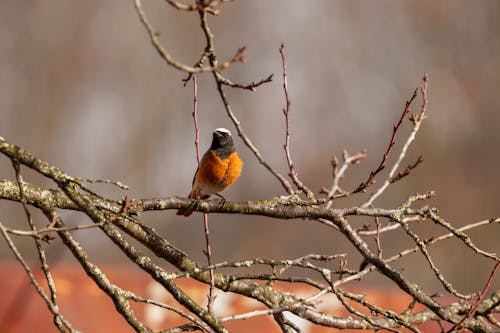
x: 219, y: 167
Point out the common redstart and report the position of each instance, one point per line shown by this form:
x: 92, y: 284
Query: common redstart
x: 219, y: 167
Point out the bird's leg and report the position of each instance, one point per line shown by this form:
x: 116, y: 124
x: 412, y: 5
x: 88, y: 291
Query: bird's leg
x: 197, y: 199
x: 223, y: 200
x: 194, y: 204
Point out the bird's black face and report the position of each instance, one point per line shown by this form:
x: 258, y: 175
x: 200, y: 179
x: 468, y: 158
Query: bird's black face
x: 222, y: 143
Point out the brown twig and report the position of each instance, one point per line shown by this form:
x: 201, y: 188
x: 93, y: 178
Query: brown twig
x: 417, y: 121
x: 371, y: 179
x: 195, y: 120
x: 208, y: 251
x: 406, y: 171
x: 252, y: 86
x: 286, y: 111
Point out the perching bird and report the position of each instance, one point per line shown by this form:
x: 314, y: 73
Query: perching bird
x: 219, y: 167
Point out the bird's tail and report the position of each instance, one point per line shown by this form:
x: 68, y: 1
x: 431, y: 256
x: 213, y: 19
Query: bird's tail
x: 193, y: 195
x: 184, y: 212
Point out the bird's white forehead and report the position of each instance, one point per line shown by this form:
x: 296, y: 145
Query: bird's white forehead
x: 222, y: 129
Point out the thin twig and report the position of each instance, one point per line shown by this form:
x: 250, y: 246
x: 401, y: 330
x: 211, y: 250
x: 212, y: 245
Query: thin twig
x: 417, y: 121
x: 392, y: 141
x: 40, y: 233
x: 407, y: 170
x: 208, y: 251
x: 195, y: 120
x: 286, y: 111
x: 252, y: 86
x: 104, y: 181
x: 423, y: 249
x: 338, y: 172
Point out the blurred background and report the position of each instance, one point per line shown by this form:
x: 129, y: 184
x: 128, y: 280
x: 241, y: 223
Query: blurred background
x: 82, y: 88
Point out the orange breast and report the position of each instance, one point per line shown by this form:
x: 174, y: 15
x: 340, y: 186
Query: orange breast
x: 216, y: 174
x: 234, y: 169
